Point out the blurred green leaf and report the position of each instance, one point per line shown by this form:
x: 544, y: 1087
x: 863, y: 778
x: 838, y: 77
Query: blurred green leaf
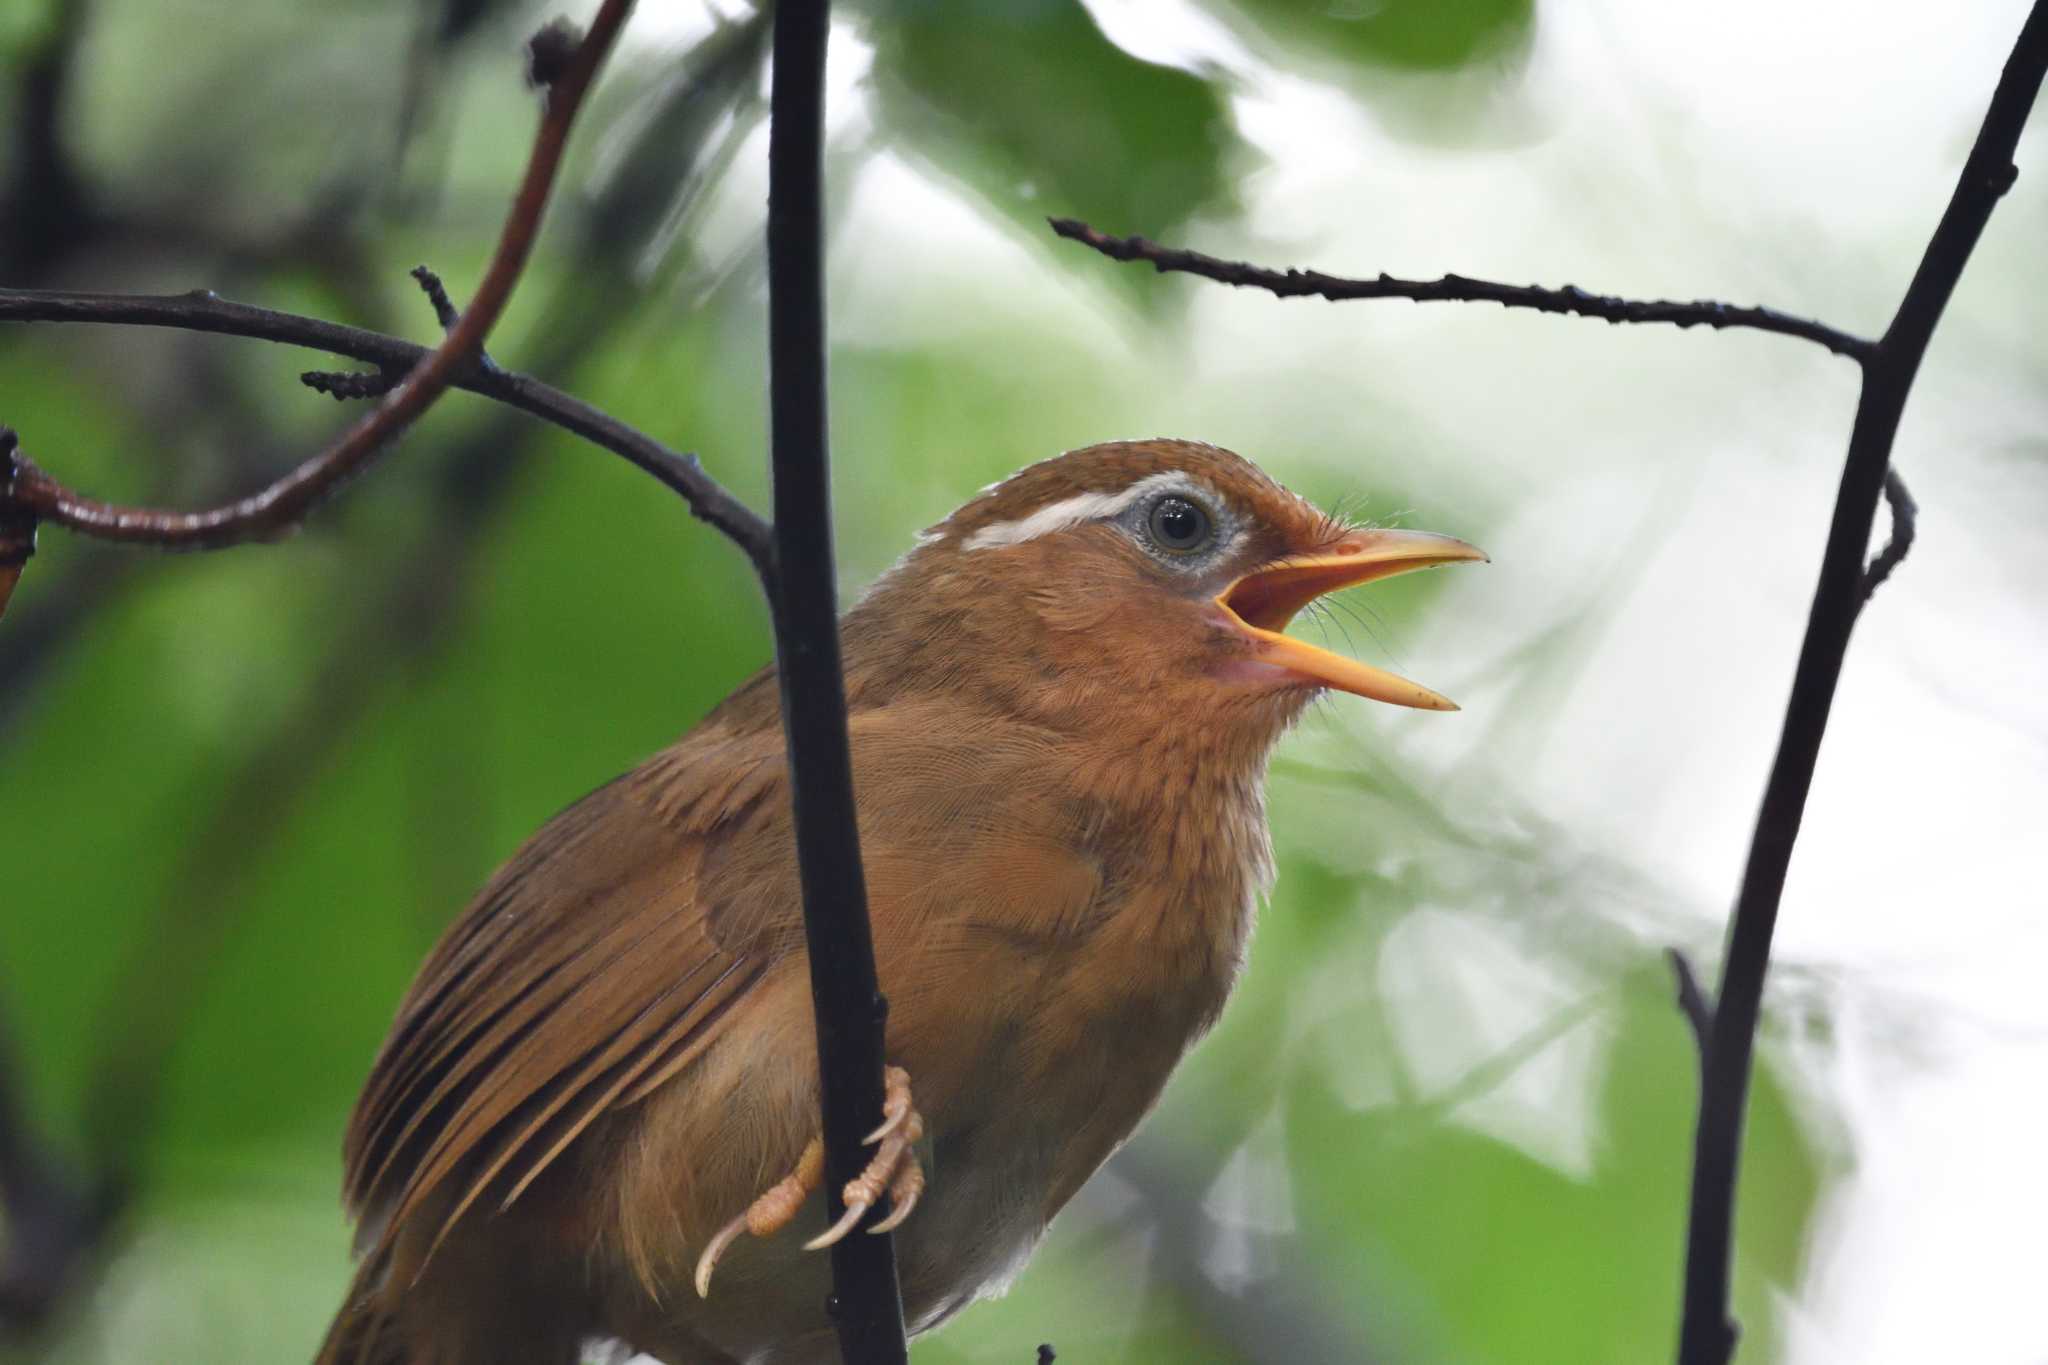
x: 1421, y: 35
x: 1507, y: 1258
x: 1029, y: 103
x: 24, y: 23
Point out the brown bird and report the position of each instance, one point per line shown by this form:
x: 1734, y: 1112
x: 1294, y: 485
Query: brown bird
x: 596, y: 1115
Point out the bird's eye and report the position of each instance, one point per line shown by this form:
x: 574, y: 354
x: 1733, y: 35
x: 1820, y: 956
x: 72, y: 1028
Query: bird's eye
x: 1178, y: 524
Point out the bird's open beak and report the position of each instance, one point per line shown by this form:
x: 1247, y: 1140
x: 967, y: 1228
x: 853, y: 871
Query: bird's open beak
x: 1264, y: 601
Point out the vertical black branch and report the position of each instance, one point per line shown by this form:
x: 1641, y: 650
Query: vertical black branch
x: 1707, y: 1333
x: 866, y: 1304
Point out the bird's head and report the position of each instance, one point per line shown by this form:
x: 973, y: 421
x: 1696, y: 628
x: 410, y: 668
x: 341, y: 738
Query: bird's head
x: 1155, y: 575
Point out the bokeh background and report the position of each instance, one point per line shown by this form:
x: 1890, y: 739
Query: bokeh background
x: 1448, y: 1117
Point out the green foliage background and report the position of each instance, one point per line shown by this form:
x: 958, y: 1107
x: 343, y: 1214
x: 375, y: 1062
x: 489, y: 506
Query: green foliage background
x: 242, y: 792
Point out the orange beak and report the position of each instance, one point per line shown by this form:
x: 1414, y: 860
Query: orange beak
x: 1264, y: 601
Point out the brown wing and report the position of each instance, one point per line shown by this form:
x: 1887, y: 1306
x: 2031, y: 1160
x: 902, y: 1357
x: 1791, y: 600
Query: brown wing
x: 588, y: 971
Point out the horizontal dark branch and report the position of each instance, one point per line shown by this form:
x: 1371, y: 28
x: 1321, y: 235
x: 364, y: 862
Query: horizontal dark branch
x: 204, y: 311
x: 1461, y: 289
x: 343, y: 385
x: 283, y: 504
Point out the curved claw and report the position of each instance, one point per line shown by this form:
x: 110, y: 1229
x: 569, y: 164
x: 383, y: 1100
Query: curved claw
x: 889, y: 1125
x: 847, y: 1222
x: 895, y: 1104
x: 708, y: 1262
x: 903, y: 1198
x: 894, y: 1220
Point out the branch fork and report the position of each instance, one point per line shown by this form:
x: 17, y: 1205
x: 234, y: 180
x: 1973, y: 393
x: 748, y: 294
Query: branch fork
x: 347, y: 384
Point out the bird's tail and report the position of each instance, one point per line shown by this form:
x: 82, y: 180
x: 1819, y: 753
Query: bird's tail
x: 363, y: 1331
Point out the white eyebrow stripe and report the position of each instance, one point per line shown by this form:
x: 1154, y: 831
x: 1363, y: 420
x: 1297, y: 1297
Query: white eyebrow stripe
x: 1082, y: 507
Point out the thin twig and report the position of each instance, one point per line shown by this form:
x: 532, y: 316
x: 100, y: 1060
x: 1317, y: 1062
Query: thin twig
x: 866, y: 1304
x: 1462, y: 289
x: 347, y: 384
x: 344, y: 385
x: 1692, y: 1001
x: 1905, y: 520
x: 204, y: 311
x: 1707, y: 1333
x: 280, y: 507
x: 445, y: 311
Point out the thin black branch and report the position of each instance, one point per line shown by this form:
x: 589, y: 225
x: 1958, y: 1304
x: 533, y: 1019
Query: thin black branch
x: 1707, y: 1333
x: 283, y: 505
x: 866, y: 1305
x: 445, y: 311
x: 1905, y: 520
x: 1692, y: 1000
x: 1462, y: 289
x: 343, y: 385
x: 204, y: 311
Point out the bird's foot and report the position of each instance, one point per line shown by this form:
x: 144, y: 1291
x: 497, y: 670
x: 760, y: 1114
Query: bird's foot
x: 894, y: 1167
x: 768, y: 1214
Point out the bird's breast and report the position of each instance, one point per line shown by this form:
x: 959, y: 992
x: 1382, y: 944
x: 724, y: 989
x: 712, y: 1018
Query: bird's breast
x: 1074, y: 1027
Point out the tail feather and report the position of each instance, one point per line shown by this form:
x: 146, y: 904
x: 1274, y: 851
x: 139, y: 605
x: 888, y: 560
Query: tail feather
x: 484, y: 1305
x: 363, y: 1332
